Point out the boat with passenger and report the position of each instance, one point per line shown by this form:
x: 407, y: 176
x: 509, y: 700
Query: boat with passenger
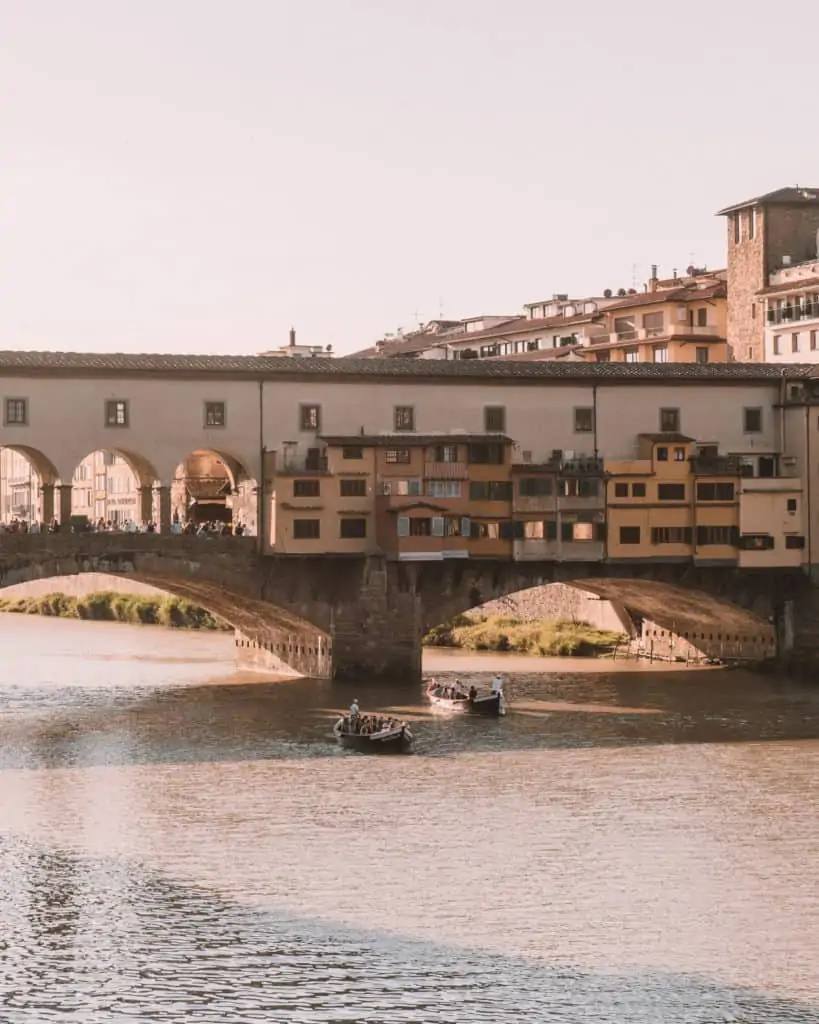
x: 457, y: 698
x: 373, y: 734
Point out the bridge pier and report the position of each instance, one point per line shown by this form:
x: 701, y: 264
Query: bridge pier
x: 65, y: 504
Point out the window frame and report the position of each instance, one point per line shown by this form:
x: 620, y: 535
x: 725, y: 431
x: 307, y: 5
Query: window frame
x: 756, y: 410
x: 308, y: 536
x: 664, y: 487
x: 352, y: 452
x: 113, y: 422
x: 676, y: 420
x: 209, y: 406
x: 308, y: 411
x: 311, y: 484
x: 403, y: 419
x: 579, y: 412
x: 360, y: 490
x: 632, y: 529
x: 494, y: 410
x: 343, y: 520
x: 8, y: 403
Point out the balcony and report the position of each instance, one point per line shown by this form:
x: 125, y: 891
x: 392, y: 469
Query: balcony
x: 794, y: 314
x: 649, y: 333
x: 445, y: 471
x: 313, y: 463
x: 718, y: 465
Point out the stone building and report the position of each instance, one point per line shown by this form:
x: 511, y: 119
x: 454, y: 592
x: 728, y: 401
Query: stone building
x: 766, y: 234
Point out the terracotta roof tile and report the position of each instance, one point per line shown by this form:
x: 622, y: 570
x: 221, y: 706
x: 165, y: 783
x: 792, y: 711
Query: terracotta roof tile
x: 58, y: 364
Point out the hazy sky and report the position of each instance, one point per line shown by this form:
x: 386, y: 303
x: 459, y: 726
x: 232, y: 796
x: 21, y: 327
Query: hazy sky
x: 196, y: 176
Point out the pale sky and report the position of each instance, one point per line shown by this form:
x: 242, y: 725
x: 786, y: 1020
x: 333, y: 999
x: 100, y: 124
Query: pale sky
x: 199, y: 175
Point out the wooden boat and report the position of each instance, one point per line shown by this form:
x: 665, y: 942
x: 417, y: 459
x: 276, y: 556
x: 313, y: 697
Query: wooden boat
x: 492, y: 705
x: 394, y: 738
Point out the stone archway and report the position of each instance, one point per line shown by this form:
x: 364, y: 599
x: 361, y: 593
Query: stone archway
x: 211, y: 485
x: 114, y: 486
x: 28, y: 483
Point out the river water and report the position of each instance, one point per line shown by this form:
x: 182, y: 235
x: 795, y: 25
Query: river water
x: 179, y: 842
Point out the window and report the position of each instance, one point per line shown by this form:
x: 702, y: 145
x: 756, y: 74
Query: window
x: 767, y: 466
x: 582, y: 531
x: 679, y: 454
x: 404, y: 488
x: 702, y: 318
x: 397, y: 456
x: 654, y: 323
x: 404, y: 417
x: 624, y: 327
x: 352, y: 529
x: 215, y: 414
x: 671, y: 492
x: 446, y: 453
x: 701, y: 355
x: 306, y: 529
x: 671, y: 535
x: 420, y: 526
x: 756, y: 542
x: 737, y: 219
x: 752, y: 223
x: 310, y: 417
x: 621, y: 490
x: 793, y: 541
x: 632, y: 355
x: 494, y: 419
x: 814, y: 340
x: 355, y: 487
x: 484, y: 531
x: 670, y: 421
x: 116, y: 413
x: 579, y: 487
x: 490, y: 490
x: 533, y: 529
x: 444, y: 488
x: 708, y: 535
x: 534, y: 486
x: 584, y: 420
x: 16, y: 412
x: 629, y: 534
x: 752, y: 419
x: 486, y: 454
x: 660, y: 353
x: 795, y: 342
x: 662, y: 454
x: 777, y: 344
x: 352, y: 452
x: 638, y: 490
x: 792, y: 505
x: 715, y: 492
x: 306, y: 488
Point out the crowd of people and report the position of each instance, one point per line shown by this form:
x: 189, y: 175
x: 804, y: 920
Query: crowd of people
x: 366, y: 725
x: 212, y: 529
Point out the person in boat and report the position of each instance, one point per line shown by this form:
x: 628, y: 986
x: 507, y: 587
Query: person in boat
x: 473, y: 694
x: 354, y: 709
x: 497, y: 684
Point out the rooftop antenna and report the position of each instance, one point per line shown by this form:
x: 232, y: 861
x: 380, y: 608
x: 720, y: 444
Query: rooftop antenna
x: 633, y: 275
x: 441, y: 307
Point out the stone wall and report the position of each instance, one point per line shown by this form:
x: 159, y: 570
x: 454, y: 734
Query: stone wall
x: 558, y: 602
x: 81, y: 585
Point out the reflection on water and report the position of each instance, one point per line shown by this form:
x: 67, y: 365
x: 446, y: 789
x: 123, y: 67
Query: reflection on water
x: 178, y: 842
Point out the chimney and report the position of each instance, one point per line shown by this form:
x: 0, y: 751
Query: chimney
x: 652, y: 284
x: 292, y: 337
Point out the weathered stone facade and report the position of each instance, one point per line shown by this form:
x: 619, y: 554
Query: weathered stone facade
x: 364, y: 617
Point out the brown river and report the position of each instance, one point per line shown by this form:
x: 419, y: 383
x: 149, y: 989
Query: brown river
x: 180, y: 842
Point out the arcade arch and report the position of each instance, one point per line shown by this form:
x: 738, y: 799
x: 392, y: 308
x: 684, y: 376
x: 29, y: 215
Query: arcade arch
x: 211, y: 486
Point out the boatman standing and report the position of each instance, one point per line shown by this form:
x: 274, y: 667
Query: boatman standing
x: 354, y: 709
x: 497, y: 684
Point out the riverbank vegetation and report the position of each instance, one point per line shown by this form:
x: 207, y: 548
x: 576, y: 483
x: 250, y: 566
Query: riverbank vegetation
x: 107, y: 606
x: 503, y: 633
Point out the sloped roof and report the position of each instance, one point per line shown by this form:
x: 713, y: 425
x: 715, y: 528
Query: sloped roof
x: 790, y: 196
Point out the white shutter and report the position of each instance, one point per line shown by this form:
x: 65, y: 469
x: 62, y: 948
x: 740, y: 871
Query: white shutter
x: 437, y: 526
x: 466, y: 526
x: 403, y: 526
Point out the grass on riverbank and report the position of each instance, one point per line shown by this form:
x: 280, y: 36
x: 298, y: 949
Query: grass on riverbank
x: 502, y: 633
x: 107, y: 606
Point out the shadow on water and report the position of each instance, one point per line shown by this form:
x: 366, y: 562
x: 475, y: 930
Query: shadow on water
x: 99, y: 941
x: 241, y: 720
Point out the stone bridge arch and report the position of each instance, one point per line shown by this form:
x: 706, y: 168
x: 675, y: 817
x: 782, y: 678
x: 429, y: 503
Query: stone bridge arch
x: 223, y: 576
x: 719, y: 610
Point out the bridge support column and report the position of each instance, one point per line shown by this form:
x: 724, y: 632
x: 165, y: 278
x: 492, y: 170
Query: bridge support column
x: 46, y: 510
x: 379, y: 635
x: 164, y: 496
x: 65, y: 504
x: 146, y: 505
